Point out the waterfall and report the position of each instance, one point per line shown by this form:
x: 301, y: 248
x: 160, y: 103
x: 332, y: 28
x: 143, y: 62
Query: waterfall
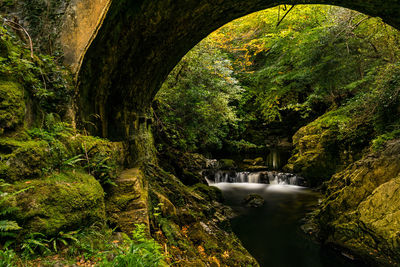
x: 265, y: 177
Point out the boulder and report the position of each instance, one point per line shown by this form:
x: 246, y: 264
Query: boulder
x: 254, y: 201
x: 59, y: 202
x: 23, y: 159
x: 361, y: 211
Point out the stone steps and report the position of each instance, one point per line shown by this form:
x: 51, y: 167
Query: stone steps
x: 127, y: 202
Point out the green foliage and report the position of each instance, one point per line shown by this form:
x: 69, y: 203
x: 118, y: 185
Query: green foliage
x: 8, y: 258
x: 47, y: 83
x: 34, y: 244
x: 379, y: 142
x: 103, y: 167
x: 62, y: 239
x: 317, y: 58
x: 8, y: 228
x: 320, y: 59
x: 193, y: 108
x: 93, y: 243
x: 93, y: 154
x: 141, y: 251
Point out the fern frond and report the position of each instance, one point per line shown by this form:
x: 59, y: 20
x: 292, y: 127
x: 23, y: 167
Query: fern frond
x: 6, y: 226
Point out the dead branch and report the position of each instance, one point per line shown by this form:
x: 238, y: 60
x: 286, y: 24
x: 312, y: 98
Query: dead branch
x: 12, y: 24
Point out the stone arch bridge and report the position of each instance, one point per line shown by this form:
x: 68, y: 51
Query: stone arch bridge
x: 122, y: 50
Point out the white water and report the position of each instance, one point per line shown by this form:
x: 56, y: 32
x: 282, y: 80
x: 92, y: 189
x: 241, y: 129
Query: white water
x: 265, y: 177
x: 278, y: 188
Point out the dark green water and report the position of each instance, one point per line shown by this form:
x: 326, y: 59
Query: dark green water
x: 272, y: 233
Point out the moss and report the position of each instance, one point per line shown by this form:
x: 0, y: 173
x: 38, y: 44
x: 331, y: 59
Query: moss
x: 328, y: 145
x: 210, y: 193
x: 227, y: 164
x: 127, y: 201
x: 59, y: 202
x: 12, y: 105
x: 360, y: 211
x: 199, y: 233
x: 105, y: 159
x: 23, y: 159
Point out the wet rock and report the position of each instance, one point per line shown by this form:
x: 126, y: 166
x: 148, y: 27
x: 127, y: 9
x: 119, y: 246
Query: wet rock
x: 258, y: 161
x: 254, y: 201
x: 227, y: 164
x: 256, y: 168
x: 361, y: 210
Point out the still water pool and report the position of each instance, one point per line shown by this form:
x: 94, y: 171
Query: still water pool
x: 272, y: 233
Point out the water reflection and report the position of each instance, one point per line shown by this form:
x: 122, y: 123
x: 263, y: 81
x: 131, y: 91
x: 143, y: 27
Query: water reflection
x: 272, y: 233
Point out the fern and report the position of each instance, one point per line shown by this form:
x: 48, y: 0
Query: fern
x: 142, y: 252
x: 8, y: 258
x: 6, y: 226
x: 73, y: 161
x: 34, y: 243
x: 63, y: 238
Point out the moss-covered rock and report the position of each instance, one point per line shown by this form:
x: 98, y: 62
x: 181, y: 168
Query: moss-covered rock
x: 227, y: 164
x: 127, y: 201
x: 59, y: 202
x: 103, y: 158
x: 194, y: 226
x: 361, y: 209
x: 186, y: 166
x: 23, y: 159
x: 254, y: 201
x: 12, y: 105
x: 316, y: 154
x: 328, y: 145
x: 210, y: 193
x: 33, y: 154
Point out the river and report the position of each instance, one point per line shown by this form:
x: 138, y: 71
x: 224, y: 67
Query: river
x: 272, y: 233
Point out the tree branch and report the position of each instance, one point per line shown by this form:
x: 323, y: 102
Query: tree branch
x: 12, y: 24
x: 284, y: 16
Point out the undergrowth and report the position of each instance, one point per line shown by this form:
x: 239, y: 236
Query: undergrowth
x: 94, y: 246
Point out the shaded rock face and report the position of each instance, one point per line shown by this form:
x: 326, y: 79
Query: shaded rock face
x: 316, y: 154
x: 184, y: 165
x: 361, y: 210
x: 322, y: 148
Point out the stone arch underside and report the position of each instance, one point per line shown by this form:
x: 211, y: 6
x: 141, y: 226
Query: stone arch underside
x: 139, y: 43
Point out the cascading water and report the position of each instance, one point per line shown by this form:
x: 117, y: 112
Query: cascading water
x: 265, y: 177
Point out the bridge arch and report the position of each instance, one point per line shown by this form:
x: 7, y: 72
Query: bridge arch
x: 140, y: 42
